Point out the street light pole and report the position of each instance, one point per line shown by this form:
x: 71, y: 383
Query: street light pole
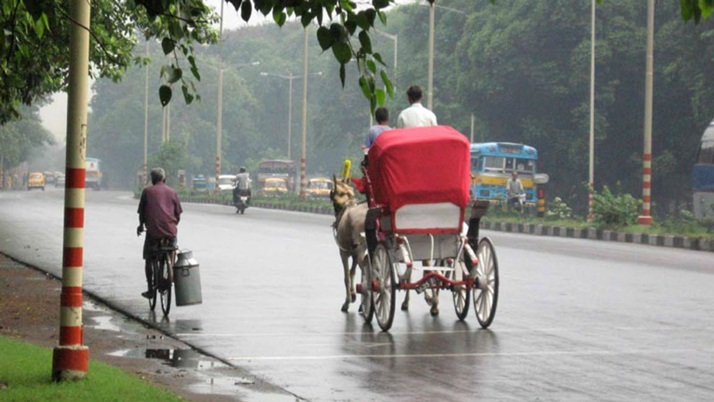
x: 646, y: 219
x: 219, y: 122
x: 591, y: 165
x: 430, y: 80
x: 303, y: 181
x: 146, y: 117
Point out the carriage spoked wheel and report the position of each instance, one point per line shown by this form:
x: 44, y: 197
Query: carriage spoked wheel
x: 485, y: 292
x: 366, y: 308
x: 460, y: 294
x: 383, y: 297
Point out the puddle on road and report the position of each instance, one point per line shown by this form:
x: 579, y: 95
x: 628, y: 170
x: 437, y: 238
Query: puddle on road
x: 179, y: 358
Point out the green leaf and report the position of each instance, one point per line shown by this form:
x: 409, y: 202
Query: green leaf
x: 168, y: 45
x: 365, y: 42
x: 342, y: 52
x: 279, y: 17
x: 370, y: 15
x: 174, y: 75
x: 236, y: 3
x: 337, y: 32
x: 380, y: 3
x: 361, y: 20
x: 351, y: 26
x: 378, y: 57
x: 382, y: 17
x: 381, y: 97
x: 364, y: 86
x: 325, y: 38
x: 387, y: 83
x: 246, y: 10
x: 165, y: 95
x: 342, y: 75
x: 371, y: 66
x: 186, y: 95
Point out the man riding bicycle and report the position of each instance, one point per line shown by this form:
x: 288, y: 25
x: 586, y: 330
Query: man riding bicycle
x: 160, y: 212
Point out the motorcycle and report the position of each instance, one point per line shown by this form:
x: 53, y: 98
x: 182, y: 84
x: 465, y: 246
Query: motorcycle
x: 241, y: 200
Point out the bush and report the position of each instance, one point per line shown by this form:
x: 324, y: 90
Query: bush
x: 615, y: 210
x: 558, y: 210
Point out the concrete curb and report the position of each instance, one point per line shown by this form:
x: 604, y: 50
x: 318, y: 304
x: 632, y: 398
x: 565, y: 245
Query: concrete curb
x: 539, y: 229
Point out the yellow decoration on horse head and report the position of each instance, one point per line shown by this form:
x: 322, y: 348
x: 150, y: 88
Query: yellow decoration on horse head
x: 346, y: 170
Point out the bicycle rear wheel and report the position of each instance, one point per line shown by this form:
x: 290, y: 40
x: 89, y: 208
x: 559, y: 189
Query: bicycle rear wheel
x: 165, y: 284
x: 154, y: 283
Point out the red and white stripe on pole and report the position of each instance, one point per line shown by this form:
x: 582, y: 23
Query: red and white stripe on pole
x: 70, y: 360
x: 71, y: 357
x: 303, y: 181
x: 218, y: 174
x: 646, y: 217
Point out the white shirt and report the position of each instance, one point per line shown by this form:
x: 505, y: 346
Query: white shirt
x: 416, y: 115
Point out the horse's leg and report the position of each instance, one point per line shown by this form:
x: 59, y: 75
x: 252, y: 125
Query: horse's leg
x: 346, y: 268
x: 434, y: 303
x: 353, y: 292
x: 405, y: 303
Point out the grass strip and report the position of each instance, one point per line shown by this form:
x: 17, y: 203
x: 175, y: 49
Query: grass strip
x: 26, y: 371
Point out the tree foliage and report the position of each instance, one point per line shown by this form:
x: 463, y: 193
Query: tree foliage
x: 35, y: 32
x: 18, y: 139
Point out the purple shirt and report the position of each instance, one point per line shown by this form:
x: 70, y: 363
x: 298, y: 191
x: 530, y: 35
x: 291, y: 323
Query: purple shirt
x: 160, y: 210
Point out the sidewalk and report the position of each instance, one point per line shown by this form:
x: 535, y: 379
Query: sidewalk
x: 29, y: 310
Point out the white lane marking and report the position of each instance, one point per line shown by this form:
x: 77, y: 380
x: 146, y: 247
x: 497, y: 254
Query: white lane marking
x: 487, y: 354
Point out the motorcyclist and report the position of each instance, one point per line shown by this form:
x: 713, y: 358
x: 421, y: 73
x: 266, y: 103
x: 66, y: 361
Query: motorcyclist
x: 242, y: 187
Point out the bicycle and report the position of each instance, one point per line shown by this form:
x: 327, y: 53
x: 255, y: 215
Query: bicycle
x: 162, y: 262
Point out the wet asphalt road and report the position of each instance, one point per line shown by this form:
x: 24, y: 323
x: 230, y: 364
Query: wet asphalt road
x: 576, y: 320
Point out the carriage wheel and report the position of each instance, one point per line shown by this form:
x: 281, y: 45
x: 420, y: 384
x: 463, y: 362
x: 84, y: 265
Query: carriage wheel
x: 366, y: 309
x: 486, y: 288
x: 460, y: 294
x: 383, y: 298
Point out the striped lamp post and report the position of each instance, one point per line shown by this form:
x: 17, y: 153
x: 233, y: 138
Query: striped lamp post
x: 646, y: 219
x: 70, y: 360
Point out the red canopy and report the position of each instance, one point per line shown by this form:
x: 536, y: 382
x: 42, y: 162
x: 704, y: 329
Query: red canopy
x: 420, y: 165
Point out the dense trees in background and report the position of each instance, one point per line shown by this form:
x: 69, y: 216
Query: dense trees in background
x: 520, y: 68
x: 22, y: 139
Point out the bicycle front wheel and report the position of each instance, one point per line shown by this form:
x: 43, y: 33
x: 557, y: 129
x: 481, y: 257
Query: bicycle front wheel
x: 165, y: 284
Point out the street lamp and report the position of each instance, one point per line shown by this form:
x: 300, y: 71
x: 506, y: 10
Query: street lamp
x: 290, y: 77
x: 430, y: 72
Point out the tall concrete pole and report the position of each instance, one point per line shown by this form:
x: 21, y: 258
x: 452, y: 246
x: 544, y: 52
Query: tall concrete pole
x: 646, y: 218
x: 430, y: 84
x: 70, y: 360
x: 591, y: 164
x: 219, y: 122
x: 303, y: 175
x: 290, y: 115
x: 146, y: 118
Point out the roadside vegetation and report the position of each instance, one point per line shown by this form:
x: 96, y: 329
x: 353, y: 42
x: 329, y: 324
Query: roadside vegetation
x: 25, y: 375
x: 612, y: 210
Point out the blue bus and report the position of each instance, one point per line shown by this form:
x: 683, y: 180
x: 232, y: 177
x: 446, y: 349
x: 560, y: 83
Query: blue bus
x: 492, y: 164
x: 703, y: 176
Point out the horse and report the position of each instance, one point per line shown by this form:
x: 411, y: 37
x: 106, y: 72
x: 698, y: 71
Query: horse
x: 348, y: 230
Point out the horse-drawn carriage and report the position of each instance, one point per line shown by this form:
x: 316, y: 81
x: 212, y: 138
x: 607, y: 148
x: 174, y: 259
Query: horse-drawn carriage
x: 417, y: 186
